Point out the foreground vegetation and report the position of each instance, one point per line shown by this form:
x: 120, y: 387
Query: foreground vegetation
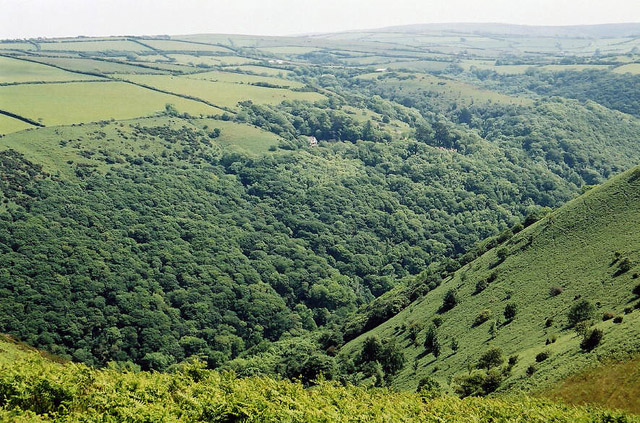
x: 34, y: 389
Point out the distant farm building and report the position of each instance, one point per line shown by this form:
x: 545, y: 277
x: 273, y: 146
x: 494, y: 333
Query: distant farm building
x: 313, y: 141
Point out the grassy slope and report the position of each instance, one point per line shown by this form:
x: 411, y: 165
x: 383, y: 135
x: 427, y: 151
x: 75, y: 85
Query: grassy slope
x: 35, y: 389
x: 573, y: 248
x: 9, y: 124
x: 15, y: 70
x: 613, y: 385
x: 60, y: 104
x: 222, y: 94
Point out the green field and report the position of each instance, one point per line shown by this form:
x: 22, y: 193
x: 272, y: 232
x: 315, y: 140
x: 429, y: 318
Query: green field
x: 573, y: 249
x: 633, y: 68
x: 241, y: 137
x: 9, y: 125
x: 93, y: 66
x: 63, y: 104
x: 264, y: 70
x: 175, y: 45
x: 92, y: 46
x: 17, y: 46
x: 222, y: 94
x: 612, y: 384
x: 239, y: 78
x: 15, y: 70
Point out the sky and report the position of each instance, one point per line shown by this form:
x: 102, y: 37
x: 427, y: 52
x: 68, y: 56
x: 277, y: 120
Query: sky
x: 57, y: 18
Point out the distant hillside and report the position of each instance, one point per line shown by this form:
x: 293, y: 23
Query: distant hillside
x: 602, y: 30
x: 518, y: 297
x: 35, y: 389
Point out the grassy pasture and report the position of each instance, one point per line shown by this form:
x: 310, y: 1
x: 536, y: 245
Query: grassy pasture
x: 176, y: 45
x: 611, y: 384
x: 289, y: 50
x: 9, y: 125
x: 242, y: 137
x: 265, y: 70
x: 92, y: 46
x: 633, y: 68
x: 60, y: 104
x: 421, y: 65
x: 193, y: 60
x: 222, y: 94
x: 17, y: 46
x: 94, y: 66
x: 239, y: 78
x: 16, y: 70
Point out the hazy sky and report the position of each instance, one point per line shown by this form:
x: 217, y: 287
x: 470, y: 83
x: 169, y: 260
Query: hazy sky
x: 48, y: 18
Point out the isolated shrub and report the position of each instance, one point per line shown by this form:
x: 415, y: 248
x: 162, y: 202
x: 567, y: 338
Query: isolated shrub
x: 580, y: 312
x: 481, y: 286
x: 454, y: 345
x: 554, y: 291
x: 437, y: 321
x: 531, y: 370
x: 482, y: 317
x: 625, y: 265
x: 510, y: 311
x: 502, y: 254
x: 477, y: 383
x: 617, y: 319
x: 582, y: 327
x: 636, y: 290
x: 413, y: 329
x: 548, y: 322
x: 491, y: 358
x: 449, y: 301
x: 513, y: 360
x: 492, y: 381
x: 542, y: 356
x: 608, y: 316
x: 592, y: 339
x: 431, y: 343
x: 429, y: 388
x: 628, y: 310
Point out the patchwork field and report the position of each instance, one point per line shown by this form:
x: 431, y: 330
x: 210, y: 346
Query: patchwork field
x: 16, y: 70
x: 93, y: 46
x: 61, y: 104
x: 9, y: 125
x: 239, y: 78
x: 222, y: 94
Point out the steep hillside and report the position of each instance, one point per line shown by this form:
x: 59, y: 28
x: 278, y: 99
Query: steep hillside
x: 611, y: 384
x: 518, y: 296
x: 35, y: 389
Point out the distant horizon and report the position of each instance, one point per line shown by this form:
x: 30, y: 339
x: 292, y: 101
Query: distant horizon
x: 25, y: 19
x: 329, y: 32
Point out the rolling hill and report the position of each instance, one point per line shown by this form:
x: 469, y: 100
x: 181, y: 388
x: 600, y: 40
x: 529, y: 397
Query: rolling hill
x: 524, y: 296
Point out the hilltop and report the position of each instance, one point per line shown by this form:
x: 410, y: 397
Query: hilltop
x: 516, y: 299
